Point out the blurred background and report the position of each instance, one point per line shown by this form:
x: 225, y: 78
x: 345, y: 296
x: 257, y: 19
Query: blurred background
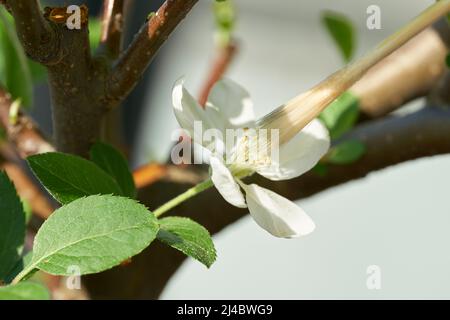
x: 397, y: 219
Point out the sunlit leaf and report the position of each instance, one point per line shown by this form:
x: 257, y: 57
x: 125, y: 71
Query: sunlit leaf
x: 341, y: 115
x: 24, y: 291
x: 346, y: 152
x: 92, y: 234
x: 342, y: 31
x: 189, y: 237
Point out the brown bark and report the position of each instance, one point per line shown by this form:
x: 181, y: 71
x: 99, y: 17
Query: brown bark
x: 84, y: 89
x: 76, y: 85
x: 36, y: 35
x: 146, y: 44
x: 112, y: 28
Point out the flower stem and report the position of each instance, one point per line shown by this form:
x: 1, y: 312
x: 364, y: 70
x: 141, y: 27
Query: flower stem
x: 183, y: 197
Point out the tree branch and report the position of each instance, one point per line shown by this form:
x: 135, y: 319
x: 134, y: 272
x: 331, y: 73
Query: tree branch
x: 389, y: 141
x: 143, y: 49
x: 440, y: 95
x: 112, y: 28
x: 35, y: 34
x: 77, y: 88
x: 24, y: 133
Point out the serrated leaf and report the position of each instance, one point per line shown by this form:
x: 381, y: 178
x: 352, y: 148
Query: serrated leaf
x: 17, y: 76
x: 92, y: 234
x: 188, y: 237
x: 346, y: 152
x: 115, y: 164
x: 341, y: 115
x: 68, y: 177
x: 342, y: 31
x: 12, y: 226
x: 24, y: 291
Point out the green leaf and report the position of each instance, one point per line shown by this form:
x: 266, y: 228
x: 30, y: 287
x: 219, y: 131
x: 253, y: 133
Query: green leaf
x: 93, y: 234
x: 27, y: 209
x: 321, y: 169
x: 114, y: 163
x: 342, y: 31
x: 69, y: 177
x: 188, y: 237
x: 12, y: 226
x: 95, y: 31
x: 16, y: 73
x: 346, y: 153
x: 341, y: 115
x: 24, y: 291
x: 38, y: 72
x: 20, y: 265
x: 2, y: 131
x: 447, y: 60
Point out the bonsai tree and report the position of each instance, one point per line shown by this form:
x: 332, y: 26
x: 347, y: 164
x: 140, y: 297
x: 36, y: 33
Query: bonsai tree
x: 82, y: 211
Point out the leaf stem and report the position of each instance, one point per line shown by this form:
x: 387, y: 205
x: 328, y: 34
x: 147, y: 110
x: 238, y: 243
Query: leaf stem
x: 23, y: 273
x: 183, y: 197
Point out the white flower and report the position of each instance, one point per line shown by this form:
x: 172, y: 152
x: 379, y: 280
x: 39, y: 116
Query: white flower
x: 229, y: 107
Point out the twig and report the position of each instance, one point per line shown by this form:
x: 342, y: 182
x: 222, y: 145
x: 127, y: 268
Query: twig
x: 35, y: 34
x: 154, y: 172
x: 220, y: 65
x: 135, y: 60
x: 24, y: 134
x: 112, y: 27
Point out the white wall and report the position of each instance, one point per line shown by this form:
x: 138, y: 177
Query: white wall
x: 397, y: 218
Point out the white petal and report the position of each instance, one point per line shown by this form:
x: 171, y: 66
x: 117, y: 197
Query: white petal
x: 201, y: 154
x: 225, y: 183
x: 276, y: 214
x: 300, y: 154
x: 233, y: 102
x: 187, y: 110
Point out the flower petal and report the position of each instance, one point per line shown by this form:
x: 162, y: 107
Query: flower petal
x: 276, y: 214
x: 300, y: 154
x: 225, y: 183
x: 233, y: 102
x: 187, y: 111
